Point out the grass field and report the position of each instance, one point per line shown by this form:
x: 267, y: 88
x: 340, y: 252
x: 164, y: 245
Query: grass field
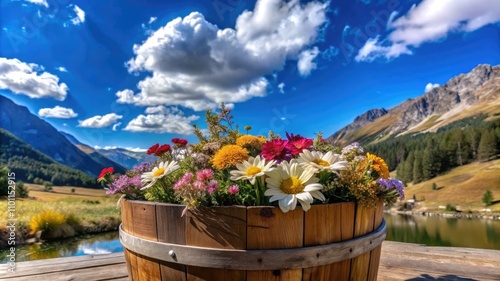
x: 463, y: 187
x: 94, y: 210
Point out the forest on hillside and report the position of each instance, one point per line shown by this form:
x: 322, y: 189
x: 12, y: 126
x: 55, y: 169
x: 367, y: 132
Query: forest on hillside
x: 30, y: 165
x: 422, y: 156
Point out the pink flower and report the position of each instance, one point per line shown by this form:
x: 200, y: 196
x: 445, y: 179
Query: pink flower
x: 200, y: 185
x: 233, y: 189
x: 212, y: 187
x: 204, y: 174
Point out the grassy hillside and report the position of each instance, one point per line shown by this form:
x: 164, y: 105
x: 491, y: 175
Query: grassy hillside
x: 463, y: 186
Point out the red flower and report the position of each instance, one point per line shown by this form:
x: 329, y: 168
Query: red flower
x: 276, y: 150
x: 297, y: 143
x: 152, y: 149
x: 164, y: 148
x: 105, y: 171
x: 179, y: 142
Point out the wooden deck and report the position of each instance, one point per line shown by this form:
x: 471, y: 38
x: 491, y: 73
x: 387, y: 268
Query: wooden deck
x: 400, y: 261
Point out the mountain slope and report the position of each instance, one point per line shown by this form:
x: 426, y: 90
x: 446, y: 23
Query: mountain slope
x: 121, y: 156
x: 43, y: 137
x: 28, y: 163
x: 94, y: 154
x: 126, y: 157
x: 465, y: 95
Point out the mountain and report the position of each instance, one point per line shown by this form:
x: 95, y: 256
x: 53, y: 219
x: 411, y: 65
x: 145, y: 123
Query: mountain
x: 28, y: 164
x: 126, y: 157
x: 94, y: 154
x: 43, y: 137
x: 466, y: 95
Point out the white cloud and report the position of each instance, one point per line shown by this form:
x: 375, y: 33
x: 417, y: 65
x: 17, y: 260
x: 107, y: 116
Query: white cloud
x: 305, y: 63
x: 162, y: 123
x: 116, y: 125
x: 30, y: 79
x: 39, y: 2
x: 430, y: 86
x: 62, y: 69
x: 281, y: 86
x: 197, y: 65
x: 152, y: 19
x: 163, y: 110
x: 373, y: 49
x: 429, y: 21
x: 57, y: 112
x: 80, y: 16
x: 136, y: 149
x: 99, y: 121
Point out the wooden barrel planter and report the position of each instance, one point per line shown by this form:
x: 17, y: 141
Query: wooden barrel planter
x: 338, y: 241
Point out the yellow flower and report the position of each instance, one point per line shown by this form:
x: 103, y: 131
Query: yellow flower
x: 229, y: 156
x: 249, y: 141
x: 378, y: 164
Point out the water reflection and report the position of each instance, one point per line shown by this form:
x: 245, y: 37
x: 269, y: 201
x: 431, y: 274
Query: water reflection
x: 104, y: 243
x: 438, y: 231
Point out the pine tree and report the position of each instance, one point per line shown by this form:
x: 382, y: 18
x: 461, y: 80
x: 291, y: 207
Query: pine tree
x: 408, y: 167
x: 487, y: 149
x: 431, y: 162
x: 487, y: 198
x: 418, y: 175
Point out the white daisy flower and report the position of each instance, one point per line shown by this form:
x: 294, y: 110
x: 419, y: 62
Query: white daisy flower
x: 320, y: 162
x: 290, y: 183
x: 163, y: 169
x: 251, y: 169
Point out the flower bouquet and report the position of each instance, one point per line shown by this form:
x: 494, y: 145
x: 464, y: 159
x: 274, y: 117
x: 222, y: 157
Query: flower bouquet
x: 228, y: 168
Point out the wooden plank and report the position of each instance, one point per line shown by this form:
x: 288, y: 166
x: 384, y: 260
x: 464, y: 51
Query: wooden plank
x: 144, y: 225
x: 103, y: 272
x: 375, y: 253
x: 223, y: 228
x: 348, y: 211
x: 363, y: 224
x: 128, y: 226
x: 270, y: 228
x: 322, y: 225
x: 171, y: 229
x: 399, y: 261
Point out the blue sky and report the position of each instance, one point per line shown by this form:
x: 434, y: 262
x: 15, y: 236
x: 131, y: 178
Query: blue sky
x: 134, y: 73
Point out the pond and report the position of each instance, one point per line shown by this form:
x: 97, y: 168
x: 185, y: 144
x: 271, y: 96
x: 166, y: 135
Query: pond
x: 103, y: 243
x: 439, y: 231
x: 432, y: 231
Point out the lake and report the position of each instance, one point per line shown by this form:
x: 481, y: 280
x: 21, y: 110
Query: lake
x: 432, y: 231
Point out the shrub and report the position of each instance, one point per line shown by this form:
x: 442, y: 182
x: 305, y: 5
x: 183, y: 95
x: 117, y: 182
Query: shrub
x: 451, y: 208
x: 47, y: 185
x: 487, y: 198
x: 434, y: 186
x: 72, y: 190
x: 47, y: 221
x: 21, y: 190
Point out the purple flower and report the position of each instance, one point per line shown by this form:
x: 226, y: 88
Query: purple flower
x: 393, y: 184
x: 125, y: 185
x: 143, y: 167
